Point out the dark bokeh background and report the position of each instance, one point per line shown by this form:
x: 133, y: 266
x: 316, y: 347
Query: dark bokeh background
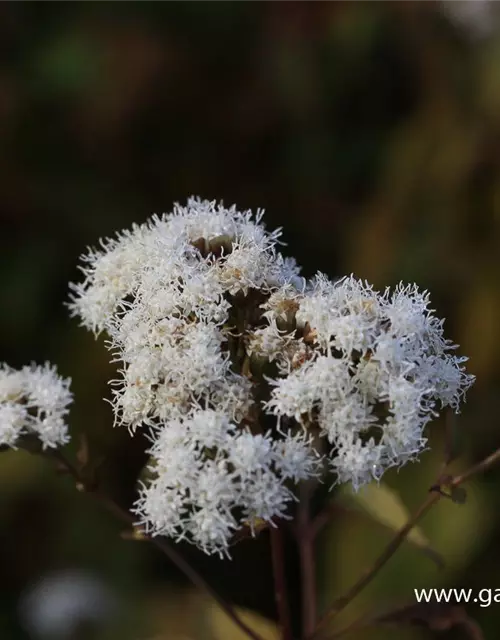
x: 369, y: 131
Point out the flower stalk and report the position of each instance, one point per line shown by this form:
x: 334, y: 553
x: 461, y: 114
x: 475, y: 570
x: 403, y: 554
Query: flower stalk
x: 124, y: 516
x: 305, y: 541
x: 280, y: 581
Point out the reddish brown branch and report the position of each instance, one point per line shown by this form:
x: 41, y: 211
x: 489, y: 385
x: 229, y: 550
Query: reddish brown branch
x: 280, y: 588
x: 305, y: 539
x: 160, y: 543
x: 449, y: 482
x: 341, y: 603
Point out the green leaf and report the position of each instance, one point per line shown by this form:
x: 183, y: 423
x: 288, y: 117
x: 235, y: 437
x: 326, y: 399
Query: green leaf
x: 386, y: 507
x: 221, y: 627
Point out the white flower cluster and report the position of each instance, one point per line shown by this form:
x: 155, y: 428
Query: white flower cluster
x: 212, y: 477
x: 238, y: 366
x: 33, y: 402
x: 165, y: 294
x: 377, y: 369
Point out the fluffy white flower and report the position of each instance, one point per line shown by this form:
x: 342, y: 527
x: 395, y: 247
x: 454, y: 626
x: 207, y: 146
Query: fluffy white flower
x: 341, y: 315
x: 210, y: 428
x: 204, y: 497
x: 357, y: 462
x: 33, y: 401
x: 296, y: 458
x: 266, y: 498
x: 13, y: 420
x: 163, y: 508
x: 175, y: 255
x: 248, y: 454
x: 380, y: 368
x: 212, y: 479
x: 161, y: 291
x: 241, y: 369
x: 12, y: 384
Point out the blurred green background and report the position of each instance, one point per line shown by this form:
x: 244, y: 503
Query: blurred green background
x: 370, y: 132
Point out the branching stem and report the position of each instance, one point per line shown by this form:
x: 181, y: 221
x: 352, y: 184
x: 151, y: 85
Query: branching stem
x: 435, y: 496
x: 160, y: 543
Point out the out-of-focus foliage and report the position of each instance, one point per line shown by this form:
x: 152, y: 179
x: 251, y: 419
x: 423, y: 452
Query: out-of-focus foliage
x: 370, y: 131
x: 384, y: 505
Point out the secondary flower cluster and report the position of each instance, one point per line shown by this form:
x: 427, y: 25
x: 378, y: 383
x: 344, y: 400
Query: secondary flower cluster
x: 250, y: 378
x: 212, y: 477
x: 376, y: 373
x: 33, y: 402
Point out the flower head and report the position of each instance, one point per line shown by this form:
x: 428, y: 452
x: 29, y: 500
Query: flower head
x: 248, y: 377
x: 33, y: 402
x: 379, y: 370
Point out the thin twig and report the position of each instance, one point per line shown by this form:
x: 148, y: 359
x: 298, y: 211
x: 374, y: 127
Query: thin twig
x: 159, y: 543
x: 484, y: 465
x: 341, y: 603
x: 470, y: 627
x: 280, y: 590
